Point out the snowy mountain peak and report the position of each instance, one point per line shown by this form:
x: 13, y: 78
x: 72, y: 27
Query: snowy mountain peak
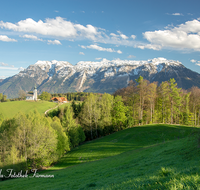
x: 53, y: 62
x: 99, y: 76
x: 160, y: 60
x: 106, y: 63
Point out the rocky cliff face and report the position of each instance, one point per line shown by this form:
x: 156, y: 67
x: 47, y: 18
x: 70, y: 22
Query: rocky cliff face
x: 104, y: 76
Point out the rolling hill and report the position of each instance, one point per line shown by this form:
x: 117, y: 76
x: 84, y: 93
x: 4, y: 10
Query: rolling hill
x: 145, y: 157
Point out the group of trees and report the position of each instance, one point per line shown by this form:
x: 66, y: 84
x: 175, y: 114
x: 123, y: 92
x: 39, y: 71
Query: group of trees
x: 31, y: 141
x: 71, y: 126
x: 77, y: 96
x: 97, y: 116
x: 149, y: 103
x: 3, y: 97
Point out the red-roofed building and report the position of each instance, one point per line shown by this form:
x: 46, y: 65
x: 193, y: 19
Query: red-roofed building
x: 59, y: 99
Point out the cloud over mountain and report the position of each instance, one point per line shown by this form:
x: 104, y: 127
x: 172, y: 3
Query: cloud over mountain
x: 184, y: 36
x: 94, y: 46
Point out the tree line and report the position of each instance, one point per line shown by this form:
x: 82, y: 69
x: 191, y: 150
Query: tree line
x: 149, y: 103
x: 141, y: 102
x: 77, y: 96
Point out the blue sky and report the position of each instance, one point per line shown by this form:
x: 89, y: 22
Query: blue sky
x: 89, y: 30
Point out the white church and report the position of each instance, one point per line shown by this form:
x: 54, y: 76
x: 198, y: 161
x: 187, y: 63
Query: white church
x: 32, y: 95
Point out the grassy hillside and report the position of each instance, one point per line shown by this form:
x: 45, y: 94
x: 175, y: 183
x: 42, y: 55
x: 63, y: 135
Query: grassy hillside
x: 146, y: 157
x: 9, y: 109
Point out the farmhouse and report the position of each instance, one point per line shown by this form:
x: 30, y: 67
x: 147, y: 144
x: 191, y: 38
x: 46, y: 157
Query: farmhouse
x: 59, y: 99
x: 32, y: 95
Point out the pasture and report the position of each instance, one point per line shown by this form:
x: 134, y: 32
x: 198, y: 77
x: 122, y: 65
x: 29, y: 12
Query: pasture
x: 144, y: 157
x: 9, y: 109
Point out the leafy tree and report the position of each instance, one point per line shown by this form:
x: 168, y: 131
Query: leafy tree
x: 151, y: 96
x: 142, y: 87
x: 68, y: 119
x: 72, y: 128
x: 62, y: 138
x: 106, y: 105
x: 87, y: 112
x: 45, y: 96
x: 81, y: 134
x: 29, y: 139
x: 118, y: 113
x: 163, y: 103
x: 1, y: 96
x: 174, y: 99
x: 195, y: 103
x: 4, y: 98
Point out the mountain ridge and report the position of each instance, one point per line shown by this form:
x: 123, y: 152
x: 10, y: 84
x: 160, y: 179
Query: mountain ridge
x: 100, y: 76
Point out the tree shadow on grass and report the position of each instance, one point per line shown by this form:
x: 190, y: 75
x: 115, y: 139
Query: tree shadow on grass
x: 123, y: 141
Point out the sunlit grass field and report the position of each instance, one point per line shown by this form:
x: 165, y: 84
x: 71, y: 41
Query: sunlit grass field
x: 9, y: 109
x: 144, y: 157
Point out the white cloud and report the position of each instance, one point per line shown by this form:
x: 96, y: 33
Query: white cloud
x: 100, y: 48
x: 58, y: 27
x: 133, y: 37
x: 193, y: 61
x: 9, y: 68
x: 81, y: 53
x: 21, y: 68
x: 123, y: 36
x: 6, y: 65
x: 114, y: 35
x: 3, y: 64
x: 54, y: 42
x: 177, y: 14
x: 149, y: 46
x: 31, y: 37
x: 119, y: 51
x: 131, y: 56
x: 184, y: 36
x: 5, y: 38
x: 98, y: 58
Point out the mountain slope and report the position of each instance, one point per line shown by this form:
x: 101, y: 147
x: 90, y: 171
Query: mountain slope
x: 104, y: 76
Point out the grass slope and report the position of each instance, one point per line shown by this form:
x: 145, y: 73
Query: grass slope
x: 146, y: 157
x: 9, y: 109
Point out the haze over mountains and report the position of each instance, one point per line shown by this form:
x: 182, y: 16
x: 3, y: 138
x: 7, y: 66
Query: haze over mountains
x: 103, y: 76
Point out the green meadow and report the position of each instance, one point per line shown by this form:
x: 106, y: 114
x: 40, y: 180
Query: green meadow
x: 9, y: 109
x: 144, y: 157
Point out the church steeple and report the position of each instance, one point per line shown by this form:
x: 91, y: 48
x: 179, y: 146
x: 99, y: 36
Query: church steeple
x: 35, y: 93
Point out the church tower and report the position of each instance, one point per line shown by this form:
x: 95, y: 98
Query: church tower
x: 35, y: 94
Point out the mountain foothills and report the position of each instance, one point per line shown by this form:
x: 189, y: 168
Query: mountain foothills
x: 103, y: 76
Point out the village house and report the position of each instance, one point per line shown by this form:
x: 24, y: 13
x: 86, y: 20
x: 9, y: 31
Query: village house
x: 59, y: 99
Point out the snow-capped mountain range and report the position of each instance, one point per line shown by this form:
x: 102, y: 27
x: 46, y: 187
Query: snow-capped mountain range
x: 103, y: 76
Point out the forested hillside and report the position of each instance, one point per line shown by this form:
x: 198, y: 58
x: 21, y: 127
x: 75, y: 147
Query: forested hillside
x: 140, y: 103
